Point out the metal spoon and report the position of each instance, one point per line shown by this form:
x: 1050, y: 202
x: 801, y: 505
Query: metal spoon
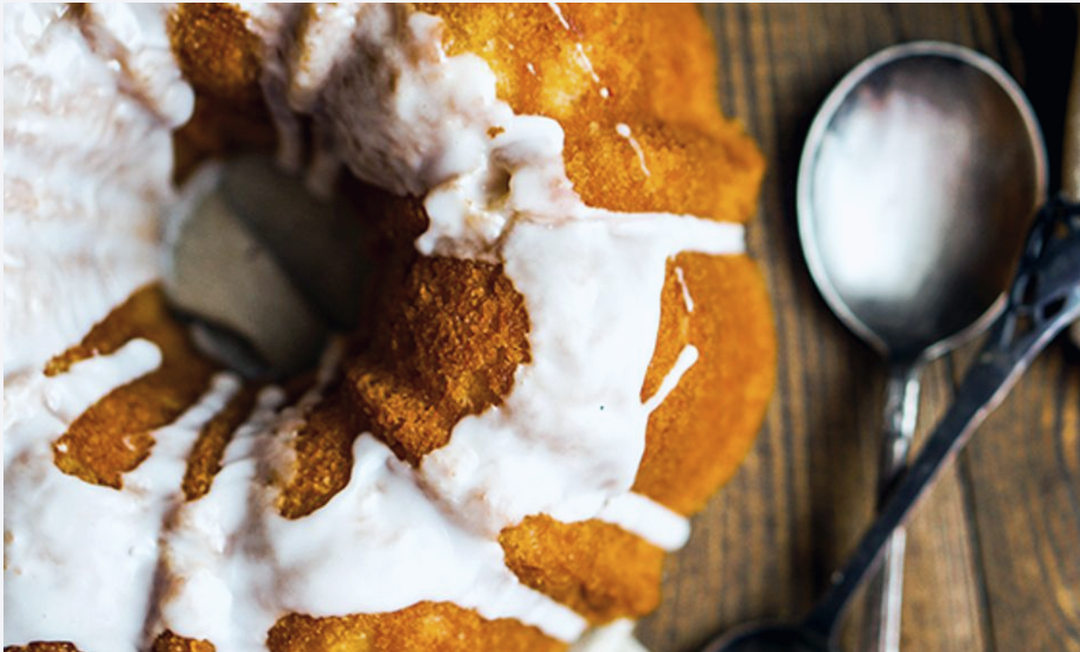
x: 919, y: 178
x: 920, y: 173
x: 1044, y: 300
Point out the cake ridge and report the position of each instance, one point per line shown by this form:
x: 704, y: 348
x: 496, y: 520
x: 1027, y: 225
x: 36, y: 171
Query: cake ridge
x: 568, y: 439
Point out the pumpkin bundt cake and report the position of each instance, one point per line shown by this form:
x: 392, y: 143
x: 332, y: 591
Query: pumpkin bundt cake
x: 564, y: 352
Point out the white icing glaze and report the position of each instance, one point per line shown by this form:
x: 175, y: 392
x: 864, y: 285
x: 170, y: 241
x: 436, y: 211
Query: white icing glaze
x: 616, y: 636
x: 82, y: 550
x: 528, y: 458
x: 558, y: 14
x: 585, y: 62
x: 379, y: 545
x: 414, y: 121
x: 688, y: 300
x: 646, y: 518
x: 87, y: 159
x: 274, y: 23
x: 421, y: 123
x: 623, y: 130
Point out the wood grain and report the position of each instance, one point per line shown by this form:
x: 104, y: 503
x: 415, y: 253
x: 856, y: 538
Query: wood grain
x: 994, y: 555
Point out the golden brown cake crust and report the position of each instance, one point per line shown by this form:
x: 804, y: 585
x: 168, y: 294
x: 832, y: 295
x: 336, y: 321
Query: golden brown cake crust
x: 455, y: 333
x: 113, y: 436
x: 450, y: 333
x: 595, y: 568
x: 422, y: 627
x: 324, y: 458
x: 658, y: 65
x: 204, y: 461
x: 43, y: 646
x: 169, y: 642
x: 223, y: 60
x: 701, y: 432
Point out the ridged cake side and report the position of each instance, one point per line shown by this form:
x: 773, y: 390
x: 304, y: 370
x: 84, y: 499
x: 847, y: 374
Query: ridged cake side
x: 564, y: 362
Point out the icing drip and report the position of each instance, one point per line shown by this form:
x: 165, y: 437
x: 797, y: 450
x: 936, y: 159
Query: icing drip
x: 528, y: 457
x: 558, y: 14
x: 379, y: 545
x: 586, y: 62
x: 70, y: 573
x: 273, y: 24
x: 234, y: 565
x: 624, y: 131
x: 688, y: 300
x: 418, y: 122
x: 387, y: 103
x: 87, y: 160
x: 616, y: 636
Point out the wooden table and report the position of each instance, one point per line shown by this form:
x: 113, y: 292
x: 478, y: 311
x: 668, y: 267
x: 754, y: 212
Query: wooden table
x: 994, y: 555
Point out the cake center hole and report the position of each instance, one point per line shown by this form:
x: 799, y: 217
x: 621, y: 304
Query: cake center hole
x: 263, y: 270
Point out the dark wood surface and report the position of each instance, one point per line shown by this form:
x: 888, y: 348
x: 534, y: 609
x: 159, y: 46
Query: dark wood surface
x: 994, y: 554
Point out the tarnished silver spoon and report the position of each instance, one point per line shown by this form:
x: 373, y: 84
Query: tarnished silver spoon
x: 1043, y: 300
x: 920, y: 174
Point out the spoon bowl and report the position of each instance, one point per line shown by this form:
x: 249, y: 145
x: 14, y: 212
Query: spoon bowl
x: 917, y: 185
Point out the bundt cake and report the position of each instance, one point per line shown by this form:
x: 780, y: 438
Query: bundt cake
x: 566, y: 350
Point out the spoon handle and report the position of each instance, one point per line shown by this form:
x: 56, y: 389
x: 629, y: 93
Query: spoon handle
x: 885, y: 593
x: 1045, y: 297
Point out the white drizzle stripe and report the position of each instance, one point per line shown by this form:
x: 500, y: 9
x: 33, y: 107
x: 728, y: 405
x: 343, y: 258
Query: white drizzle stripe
x: 558, y: 14
x: 688, y: 300
x: 616, y: 636
x: 687, y: 358
x: 624, y: 130
x: 586, y: 62
x: 81, y: 550
x: 62, y: 399
x: 642, y: 516
x: 380, y: 532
